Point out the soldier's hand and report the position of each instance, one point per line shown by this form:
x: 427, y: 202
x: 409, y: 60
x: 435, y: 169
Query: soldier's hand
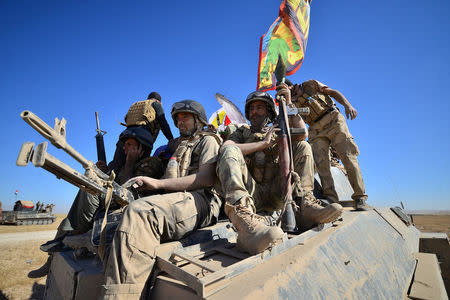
x: 284, y: 91
x: 142, y: 182
x: 350, y: 112
x: 134, y: 154
x: 268, y: 138
x: 102, y: 166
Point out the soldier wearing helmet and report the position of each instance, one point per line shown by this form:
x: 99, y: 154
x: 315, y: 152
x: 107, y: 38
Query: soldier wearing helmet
x: 137, y: 144
x: 250, y: 176
x: 193, y: 202
x: 147, y: 115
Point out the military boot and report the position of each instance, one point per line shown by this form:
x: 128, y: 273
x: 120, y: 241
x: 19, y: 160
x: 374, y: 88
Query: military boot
x: 311, y: 212
x: 42, y: 271
x: 361, y: 205
x: 254, y: 236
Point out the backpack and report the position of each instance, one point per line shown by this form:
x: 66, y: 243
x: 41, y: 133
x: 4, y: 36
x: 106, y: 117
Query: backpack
x: 140, y: 113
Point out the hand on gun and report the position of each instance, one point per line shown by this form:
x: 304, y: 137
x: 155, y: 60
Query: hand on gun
x: 102, y: 166
x: 142, y: 183
x: 284, y: 91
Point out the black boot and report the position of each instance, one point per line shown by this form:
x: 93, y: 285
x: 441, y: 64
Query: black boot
x: 42, y: 271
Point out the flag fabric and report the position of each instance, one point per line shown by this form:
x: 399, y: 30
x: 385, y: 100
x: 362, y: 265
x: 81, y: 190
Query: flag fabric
x: 219, y: 119
x: 286, y: 38
x: 232, y: 111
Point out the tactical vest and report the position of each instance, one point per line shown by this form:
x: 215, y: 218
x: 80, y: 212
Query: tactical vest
x: 143, y: 113
x: 187, y: 149
x: 263, y: 165
x: 317, y: 102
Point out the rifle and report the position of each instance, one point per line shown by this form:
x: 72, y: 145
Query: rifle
x: 288, y: 222
x: 94, y: 181
x: 101, y: 154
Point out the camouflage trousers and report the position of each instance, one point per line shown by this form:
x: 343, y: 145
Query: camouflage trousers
x: 333, y: 130
x: 237, y: 182
x: 145, y: 224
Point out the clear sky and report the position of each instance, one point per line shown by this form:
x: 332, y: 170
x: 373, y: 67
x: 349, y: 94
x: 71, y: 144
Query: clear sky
x: 72, y: 58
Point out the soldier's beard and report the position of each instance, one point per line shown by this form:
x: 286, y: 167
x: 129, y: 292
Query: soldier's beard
x: 187, y: 133
x: 190, y: 133
x: 259, y: 124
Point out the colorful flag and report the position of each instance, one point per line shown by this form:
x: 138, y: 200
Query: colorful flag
x: 286, y: 38
x: 219, y: 119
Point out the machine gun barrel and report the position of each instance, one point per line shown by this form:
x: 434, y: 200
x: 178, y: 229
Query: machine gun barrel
x: 41, y: 158
x: 57, y: 136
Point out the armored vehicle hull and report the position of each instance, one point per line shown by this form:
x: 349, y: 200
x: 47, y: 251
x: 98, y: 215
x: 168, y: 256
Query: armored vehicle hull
x: 27, y: 218
x: 364, y: 255
x: 25, y: 213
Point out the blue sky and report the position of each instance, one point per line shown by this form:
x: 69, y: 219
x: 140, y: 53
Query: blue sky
x: 72, y: 58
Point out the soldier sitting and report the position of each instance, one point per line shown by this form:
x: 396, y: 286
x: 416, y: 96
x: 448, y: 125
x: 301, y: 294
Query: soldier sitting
x: 137, y: 144
x: 192, y: 204
x: 250, y: 175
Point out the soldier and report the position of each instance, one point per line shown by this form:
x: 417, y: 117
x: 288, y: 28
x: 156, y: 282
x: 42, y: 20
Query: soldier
x: 327, y: 127
x: 147, y: 114
x: 192, y: 204
x: 137, y: 143
x: 250, y: 175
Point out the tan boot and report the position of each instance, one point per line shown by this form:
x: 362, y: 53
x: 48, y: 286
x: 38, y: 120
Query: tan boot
x: 253, y: 235
x: 312, y: 212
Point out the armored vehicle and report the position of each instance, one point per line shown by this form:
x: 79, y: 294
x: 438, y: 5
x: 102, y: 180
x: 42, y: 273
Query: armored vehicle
x: 364, y: 255
x: 24, y: 213
x: 372, y: 254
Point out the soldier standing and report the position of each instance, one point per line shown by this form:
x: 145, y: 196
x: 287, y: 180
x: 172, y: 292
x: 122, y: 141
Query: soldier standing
x: 147, y: 114
x: 250, y: 175
x: 327, y: 127
x: 192, y: 204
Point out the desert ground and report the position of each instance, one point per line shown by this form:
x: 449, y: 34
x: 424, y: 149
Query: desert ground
x: 18, y: 257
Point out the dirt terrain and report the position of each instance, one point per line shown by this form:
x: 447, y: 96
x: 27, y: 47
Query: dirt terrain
x: 17, y: 258
x: 435, y: 223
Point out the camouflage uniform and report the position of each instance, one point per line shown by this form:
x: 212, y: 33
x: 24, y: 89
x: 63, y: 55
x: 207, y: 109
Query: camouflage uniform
x: 327, y: 127
x: 151, y: 220
x: 258, y: 174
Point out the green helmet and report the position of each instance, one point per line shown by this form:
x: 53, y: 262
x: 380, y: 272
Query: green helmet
x: 189, y: 106
x: 261, y: 96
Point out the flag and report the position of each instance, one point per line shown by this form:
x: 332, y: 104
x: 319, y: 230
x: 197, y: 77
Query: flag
x: 16, y: 192
x: 286, y: 38
x: 219, y: 119
x: 232, y: 111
